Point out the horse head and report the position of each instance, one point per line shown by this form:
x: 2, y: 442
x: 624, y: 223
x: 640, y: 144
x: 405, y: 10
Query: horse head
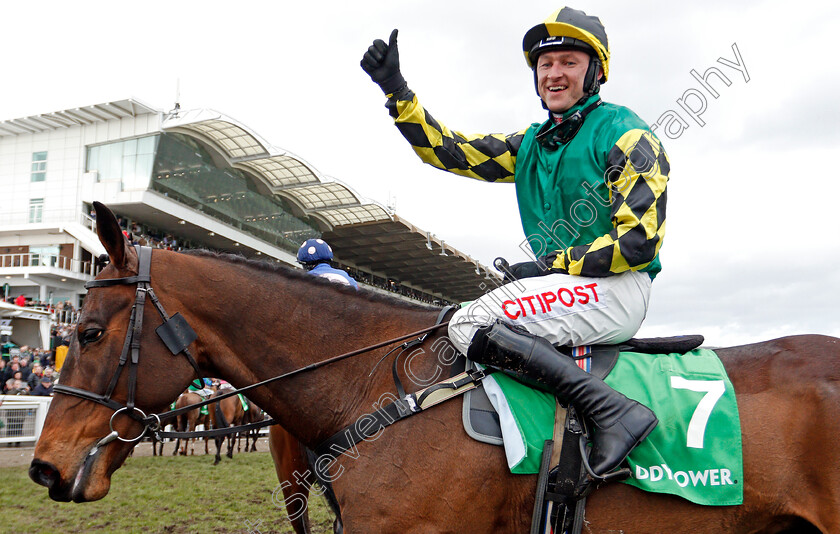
x: 87, y: 436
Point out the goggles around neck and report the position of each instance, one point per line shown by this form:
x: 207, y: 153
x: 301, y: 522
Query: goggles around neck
x: 550, y: 136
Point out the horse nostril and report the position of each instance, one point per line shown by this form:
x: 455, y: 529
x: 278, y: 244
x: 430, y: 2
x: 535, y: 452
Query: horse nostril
x: 44, y: 473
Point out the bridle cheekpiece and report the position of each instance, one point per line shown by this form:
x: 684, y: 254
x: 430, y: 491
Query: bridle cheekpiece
x: 175, y: 333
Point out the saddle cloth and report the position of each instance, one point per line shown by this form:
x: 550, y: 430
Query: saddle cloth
x: 481, y: 421
x: 694, y: 452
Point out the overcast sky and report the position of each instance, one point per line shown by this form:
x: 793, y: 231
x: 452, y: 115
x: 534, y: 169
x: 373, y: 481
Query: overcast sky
x: 752, y: 246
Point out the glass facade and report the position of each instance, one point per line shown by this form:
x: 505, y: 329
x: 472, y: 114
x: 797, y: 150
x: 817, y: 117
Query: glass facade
x: 129, y: 161
x: 185, y: 171
x: 182, y: 169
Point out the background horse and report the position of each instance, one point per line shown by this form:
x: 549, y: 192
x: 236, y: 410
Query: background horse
x: 421, y: 475
x: 188, y: 422
x: 225, y: 413
x: 253, y: 414
x: 157, y: 446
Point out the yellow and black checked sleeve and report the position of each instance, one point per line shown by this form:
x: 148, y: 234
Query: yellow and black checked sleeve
x: 491, y: 158
x: 638, y: 176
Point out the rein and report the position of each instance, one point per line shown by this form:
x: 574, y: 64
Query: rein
x: 177, y: 335
x: 179, y: 411
x: 216, y: 432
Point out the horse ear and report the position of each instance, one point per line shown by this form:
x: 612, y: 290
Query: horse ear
x: 111, y: 236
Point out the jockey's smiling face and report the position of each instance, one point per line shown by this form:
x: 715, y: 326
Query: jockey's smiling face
x: 560, y: 76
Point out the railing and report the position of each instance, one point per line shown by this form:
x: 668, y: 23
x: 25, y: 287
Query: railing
x: 88, y: 222
x: 66, y: 316
x: 22, y: 417
x: 32, y: 259
x: 69, y: 316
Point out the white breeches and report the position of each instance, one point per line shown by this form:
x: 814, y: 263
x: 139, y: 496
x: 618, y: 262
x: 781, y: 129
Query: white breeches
x: 564, y: 309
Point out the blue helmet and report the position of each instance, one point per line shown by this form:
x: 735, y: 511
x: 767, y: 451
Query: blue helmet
x: 313, y: 251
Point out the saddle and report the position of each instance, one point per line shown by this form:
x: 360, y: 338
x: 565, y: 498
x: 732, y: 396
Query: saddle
x: 564, y: 479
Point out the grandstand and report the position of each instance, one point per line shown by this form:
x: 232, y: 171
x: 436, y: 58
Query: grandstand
x: 194, y: 179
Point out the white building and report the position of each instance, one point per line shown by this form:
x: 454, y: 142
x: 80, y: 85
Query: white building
x: 195, y: 176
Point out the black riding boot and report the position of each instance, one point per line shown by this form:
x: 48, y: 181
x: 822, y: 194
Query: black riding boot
x: 620, y: 423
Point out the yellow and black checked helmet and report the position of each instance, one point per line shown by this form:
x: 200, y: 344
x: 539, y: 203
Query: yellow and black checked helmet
x: 569, y: 28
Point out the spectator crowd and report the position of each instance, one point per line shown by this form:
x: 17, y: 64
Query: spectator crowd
x: 32, y: 371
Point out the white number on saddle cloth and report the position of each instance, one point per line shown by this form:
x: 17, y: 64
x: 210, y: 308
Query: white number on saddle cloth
x: 697, y: 426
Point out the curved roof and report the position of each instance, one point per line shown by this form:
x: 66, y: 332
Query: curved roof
x: 360, y: 231
x: 329, y: 202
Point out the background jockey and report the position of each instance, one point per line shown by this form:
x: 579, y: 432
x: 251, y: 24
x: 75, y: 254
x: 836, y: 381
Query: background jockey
x: 315, y: 256
x: 590, y: 184
x: 204, y: 390
x: 223, y: 384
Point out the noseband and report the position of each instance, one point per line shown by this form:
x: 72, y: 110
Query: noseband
x: 175, y: 333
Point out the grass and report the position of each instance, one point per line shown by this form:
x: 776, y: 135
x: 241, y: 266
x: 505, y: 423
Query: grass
x: 162, y: 494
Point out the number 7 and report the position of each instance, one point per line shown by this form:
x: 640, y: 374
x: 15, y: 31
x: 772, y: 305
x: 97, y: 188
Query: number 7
x: 697, y: 426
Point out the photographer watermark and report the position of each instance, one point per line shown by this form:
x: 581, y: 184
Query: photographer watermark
x: 693, y: 101
x: 369, y: 426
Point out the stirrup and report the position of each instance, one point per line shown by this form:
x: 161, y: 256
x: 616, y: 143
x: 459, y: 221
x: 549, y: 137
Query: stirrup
x: 619, y: 474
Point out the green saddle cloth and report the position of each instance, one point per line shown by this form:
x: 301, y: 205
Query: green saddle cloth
x: 695, y: 450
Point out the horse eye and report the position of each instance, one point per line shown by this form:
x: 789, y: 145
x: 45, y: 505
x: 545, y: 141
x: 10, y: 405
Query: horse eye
x: 90, y: 335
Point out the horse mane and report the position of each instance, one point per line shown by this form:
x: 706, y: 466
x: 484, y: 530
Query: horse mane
x: 302, y: 276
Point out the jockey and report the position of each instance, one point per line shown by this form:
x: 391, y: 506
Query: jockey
x: 204, y: 391
x: 315, y: 255
x: 590, y: 183
x: 223, y: 384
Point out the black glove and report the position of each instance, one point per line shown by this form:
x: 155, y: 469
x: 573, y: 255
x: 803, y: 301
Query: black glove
x: 526, y: 269
x: 382, y: 63
x: 529, y: 269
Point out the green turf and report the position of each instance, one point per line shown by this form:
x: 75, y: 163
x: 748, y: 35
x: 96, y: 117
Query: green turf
x: 162, y: 494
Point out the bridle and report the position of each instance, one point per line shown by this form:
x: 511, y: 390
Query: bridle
x: 177, y: 335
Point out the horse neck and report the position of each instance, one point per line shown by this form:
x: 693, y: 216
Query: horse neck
x: 255, y: 325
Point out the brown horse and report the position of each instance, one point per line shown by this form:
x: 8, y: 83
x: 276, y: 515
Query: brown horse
x: 296, y: 478
x: 188, y: 423
x: 253, y: 414
x: 294, y: 475
x: 225, y: 413
x: 422, y: 475
x: 157, y: 446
